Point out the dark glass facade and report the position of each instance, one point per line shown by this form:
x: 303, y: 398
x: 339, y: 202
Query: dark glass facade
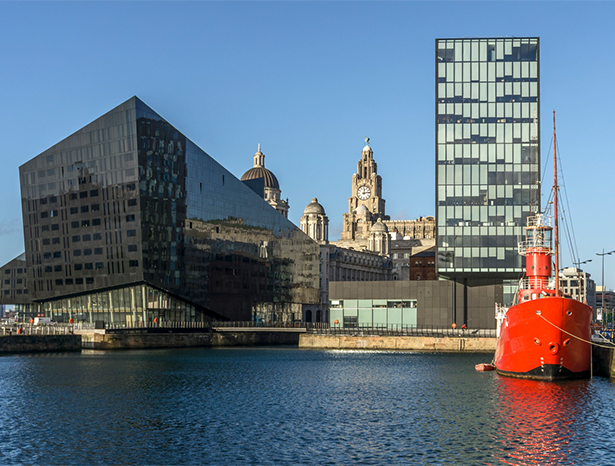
x: 487, y: 153
x: 130, y: 220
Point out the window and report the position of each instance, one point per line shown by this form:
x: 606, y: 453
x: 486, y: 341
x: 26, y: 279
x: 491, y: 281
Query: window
x: 55, y: 240
x: 48, y: 268
x: 133, y: 263
x: 132, y: 202
x: 94, y: 193
x: 46, y: 242
x: 98, y: 251
x: 57, y: 255
x: 74, y: 224
x: 89, y: 266
x: 47, y: 255
x: 130, y: 218
x: 99, y: 265
x: 44, y: 214
x: 83, y: 194
x: 69, y: 281
x: 72, y: 196
x: 89, y: 280
x: 77, y: 252
x: 96, y: 222
x: 132, y: 248
x: 78, y: 281
x: 78, y: 267
x: 76, y: 238
x: 55, y: 227
x: 130, y: 233
x: 95, y: 207
x: 87, y: 252
x: 74, y: 210
x: 57, y: 268
x: 97, y: 236
x: 86, y: 238
x: 45, y: 228
x: 85, y: 223
x: 85, y: 209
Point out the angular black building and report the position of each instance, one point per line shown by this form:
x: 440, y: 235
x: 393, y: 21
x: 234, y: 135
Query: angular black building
x: 127, y: 220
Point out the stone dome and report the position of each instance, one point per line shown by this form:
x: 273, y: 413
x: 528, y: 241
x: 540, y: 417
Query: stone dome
x: 379, y: 227
x: 261, y: 172
x: 367, y: 148
x: 314, y: 208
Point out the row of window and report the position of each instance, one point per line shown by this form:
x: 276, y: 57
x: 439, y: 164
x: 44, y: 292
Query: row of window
x: 19, y: 291
x: 86, y: 266
x: 487, y: 50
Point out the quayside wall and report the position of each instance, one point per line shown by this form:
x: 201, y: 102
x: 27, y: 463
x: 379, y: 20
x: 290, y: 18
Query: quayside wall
x: 134, y: 340
x: 603, y: 360
x: 412, y: 343
x: 10, y: 344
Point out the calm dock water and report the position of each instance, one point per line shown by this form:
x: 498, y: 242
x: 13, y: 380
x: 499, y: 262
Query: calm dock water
x: 289, y: 406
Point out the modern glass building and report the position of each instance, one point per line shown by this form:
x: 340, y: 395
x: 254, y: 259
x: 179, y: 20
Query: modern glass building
x: 127, y: 220
x: 487, y: 153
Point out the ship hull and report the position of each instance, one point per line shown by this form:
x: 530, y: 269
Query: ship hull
x: 545, y: 339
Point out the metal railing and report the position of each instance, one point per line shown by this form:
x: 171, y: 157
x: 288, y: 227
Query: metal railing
x: 413, y: 331
x: 31, y: 329
x: 191, y: 327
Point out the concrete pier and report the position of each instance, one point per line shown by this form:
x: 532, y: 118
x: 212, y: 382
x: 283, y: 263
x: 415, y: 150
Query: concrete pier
x: 10, y: 344
x: 602, y: 358
x: 412, y: 343
x: 99, y: 339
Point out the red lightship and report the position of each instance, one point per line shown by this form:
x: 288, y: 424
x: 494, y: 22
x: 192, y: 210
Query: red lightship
x: 544, y: 336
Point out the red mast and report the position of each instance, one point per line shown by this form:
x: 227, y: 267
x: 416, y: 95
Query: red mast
x: 555, y: 231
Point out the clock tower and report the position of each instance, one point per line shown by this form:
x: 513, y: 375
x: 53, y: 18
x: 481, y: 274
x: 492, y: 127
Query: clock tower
x: 366, y: 205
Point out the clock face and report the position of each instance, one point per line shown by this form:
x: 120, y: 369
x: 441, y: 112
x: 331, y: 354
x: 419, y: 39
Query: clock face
x: 364, y: 192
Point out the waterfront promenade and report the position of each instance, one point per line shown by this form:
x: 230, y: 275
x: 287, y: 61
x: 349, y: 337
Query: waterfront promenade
x: 74, y: 337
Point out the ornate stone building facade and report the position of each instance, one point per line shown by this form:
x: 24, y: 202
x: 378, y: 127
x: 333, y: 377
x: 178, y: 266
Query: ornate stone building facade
x: 272, y: 192
x: 366, y: 226
x: 342, y: 264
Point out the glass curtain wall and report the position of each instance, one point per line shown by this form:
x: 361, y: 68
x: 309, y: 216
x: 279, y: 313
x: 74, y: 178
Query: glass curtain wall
x: 487, y: 152
x: 130, y: 306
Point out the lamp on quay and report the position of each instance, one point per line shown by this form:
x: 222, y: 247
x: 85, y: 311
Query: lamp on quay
x: 603, y: 286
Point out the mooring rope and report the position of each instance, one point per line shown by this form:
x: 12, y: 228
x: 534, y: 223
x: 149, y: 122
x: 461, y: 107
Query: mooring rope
x: 575, y: 336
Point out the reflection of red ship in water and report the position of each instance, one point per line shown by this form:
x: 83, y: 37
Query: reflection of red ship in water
x: 545, y: 336
x: 536, y: 423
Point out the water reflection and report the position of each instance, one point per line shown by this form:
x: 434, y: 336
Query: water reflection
x: 534, y: 421
x: 289, y: 406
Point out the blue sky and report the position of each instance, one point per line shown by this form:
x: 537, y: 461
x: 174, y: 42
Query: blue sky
x: 307, y: 80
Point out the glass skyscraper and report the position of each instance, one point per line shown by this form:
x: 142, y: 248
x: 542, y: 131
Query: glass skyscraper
x: 487, y: 153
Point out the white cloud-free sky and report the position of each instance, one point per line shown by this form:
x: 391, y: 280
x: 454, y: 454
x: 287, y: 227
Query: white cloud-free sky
x: 307, y: 80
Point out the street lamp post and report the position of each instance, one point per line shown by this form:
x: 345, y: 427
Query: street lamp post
x: 603, y: 285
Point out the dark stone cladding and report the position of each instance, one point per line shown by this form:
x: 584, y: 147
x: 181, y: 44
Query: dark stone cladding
x: 129, y: 199
x: 439, y: 302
